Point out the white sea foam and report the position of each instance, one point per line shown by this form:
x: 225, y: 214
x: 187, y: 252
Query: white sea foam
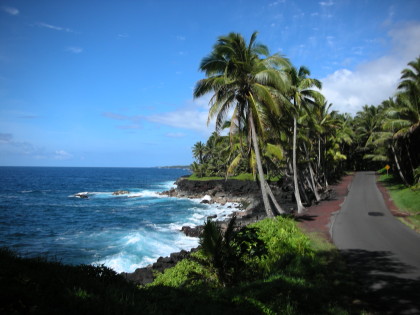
x: 149, y: 194
x: 167, y: 185
x: 127, y: 250
x: 121, y: 262
x: 133, y: 239
x: 143, y: 247
x: 105, y: 194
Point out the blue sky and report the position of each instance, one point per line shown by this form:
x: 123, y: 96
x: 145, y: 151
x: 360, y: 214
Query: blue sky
x: 109, y: 83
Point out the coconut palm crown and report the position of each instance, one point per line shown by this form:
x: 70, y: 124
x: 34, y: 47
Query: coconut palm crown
x: 243, y: 78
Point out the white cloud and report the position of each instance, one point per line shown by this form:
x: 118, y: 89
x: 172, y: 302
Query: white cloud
x: 326, y: 3
x: 62, y: 155
x: 187, y: 118
x: 374, y: 81
x: 10, y: 10
x: 54, y: 27
x: 191, y: 117
x: 272, y: 4
x: 181, y: 37
x: 74, y: 49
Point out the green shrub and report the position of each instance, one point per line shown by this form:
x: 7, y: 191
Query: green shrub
x: 187, y: 272
x: 231, y: 254
x: 286, y: 243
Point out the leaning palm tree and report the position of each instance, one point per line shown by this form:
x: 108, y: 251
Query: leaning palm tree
x: 242, y: 77
x: 301, y: 93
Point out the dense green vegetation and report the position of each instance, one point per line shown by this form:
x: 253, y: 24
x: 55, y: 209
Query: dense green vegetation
x: 280, y: 272
x: 406, y: 199
x: 272, y: 119
x: 274, y: 269
x: 241, y: 176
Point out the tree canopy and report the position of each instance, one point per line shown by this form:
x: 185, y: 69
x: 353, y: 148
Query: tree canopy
x: 280, y: 125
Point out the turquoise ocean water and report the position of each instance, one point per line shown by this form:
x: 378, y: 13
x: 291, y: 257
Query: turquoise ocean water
x: 41, y: 216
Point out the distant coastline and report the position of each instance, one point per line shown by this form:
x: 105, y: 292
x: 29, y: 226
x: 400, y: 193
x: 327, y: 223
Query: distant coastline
x: 182, y: 167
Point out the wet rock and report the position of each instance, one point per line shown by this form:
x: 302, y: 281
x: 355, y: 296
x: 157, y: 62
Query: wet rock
x: 120, y: 192
x: 84, y: 195
x: 192, y: 231
x: 206, y: 199
x: 141, y: 275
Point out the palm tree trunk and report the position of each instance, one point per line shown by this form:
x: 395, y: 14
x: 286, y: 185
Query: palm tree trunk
x: 319, y: 152
x: 299, y: 204
x: 279, y: 209
x: 303, y: 189
x: 311, y: 183
x: 398, y: 166
x: 311, y: 172
x: 409, y: 156
x: 266, y: 202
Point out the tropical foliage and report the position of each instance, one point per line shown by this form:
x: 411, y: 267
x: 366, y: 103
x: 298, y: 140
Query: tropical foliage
x: 272, y: 120
x: 270, y: 267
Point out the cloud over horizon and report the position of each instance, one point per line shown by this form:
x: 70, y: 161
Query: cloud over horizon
x: 376, y: 80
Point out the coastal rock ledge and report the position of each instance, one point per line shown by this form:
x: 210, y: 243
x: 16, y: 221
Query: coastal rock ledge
x: 245, y: 193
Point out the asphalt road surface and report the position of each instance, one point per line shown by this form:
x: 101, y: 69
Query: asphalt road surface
x: 382, y: 252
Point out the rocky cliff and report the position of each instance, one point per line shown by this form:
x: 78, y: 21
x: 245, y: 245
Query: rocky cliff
x: 247, y: 193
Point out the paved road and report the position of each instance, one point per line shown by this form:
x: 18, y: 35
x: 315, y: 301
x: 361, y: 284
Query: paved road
x: 383, y: 252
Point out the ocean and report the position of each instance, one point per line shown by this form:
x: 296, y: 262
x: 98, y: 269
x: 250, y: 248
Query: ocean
x: 41, y: 215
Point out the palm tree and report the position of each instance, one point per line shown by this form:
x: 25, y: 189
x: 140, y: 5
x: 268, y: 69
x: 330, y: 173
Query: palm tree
x: 301, y: 93
x: 198, y: 151
x: 405, y: 112
x: 410, y: 88
x: 241, y: 79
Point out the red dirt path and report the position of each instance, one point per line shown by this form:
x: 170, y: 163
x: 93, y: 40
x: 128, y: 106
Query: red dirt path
x: 317, y: 217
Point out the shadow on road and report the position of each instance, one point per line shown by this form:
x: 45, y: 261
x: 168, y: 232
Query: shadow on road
x: 384, y: 288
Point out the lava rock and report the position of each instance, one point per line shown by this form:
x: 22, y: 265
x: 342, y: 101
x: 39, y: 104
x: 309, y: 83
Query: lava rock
x: 120, y: 192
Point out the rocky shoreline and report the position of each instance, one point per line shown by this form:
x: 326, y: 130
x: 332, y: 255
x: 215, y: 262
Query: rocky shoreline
x: 245, y: 194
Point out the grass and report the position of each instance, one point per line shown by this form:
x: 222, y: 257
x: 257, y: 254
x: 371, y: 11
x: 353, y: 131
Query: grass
x: 243, y: 176
x: 406, y: 199
x: 195, y: 177
x: 298, y: 275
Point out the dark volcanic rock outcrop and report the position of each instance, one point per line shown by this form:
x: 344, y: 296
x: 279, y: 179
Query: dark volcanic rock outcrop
x: 192, y: 231
x: 120, y: 192
x: 146, y: 275
x: 217, y: 188
x: 245, y: 192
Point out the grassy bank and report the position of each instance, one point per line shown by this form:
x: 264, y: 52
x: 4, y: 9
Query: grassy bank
x: 293, y: 274
x: 406, y: 199
x: 243, y: 176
